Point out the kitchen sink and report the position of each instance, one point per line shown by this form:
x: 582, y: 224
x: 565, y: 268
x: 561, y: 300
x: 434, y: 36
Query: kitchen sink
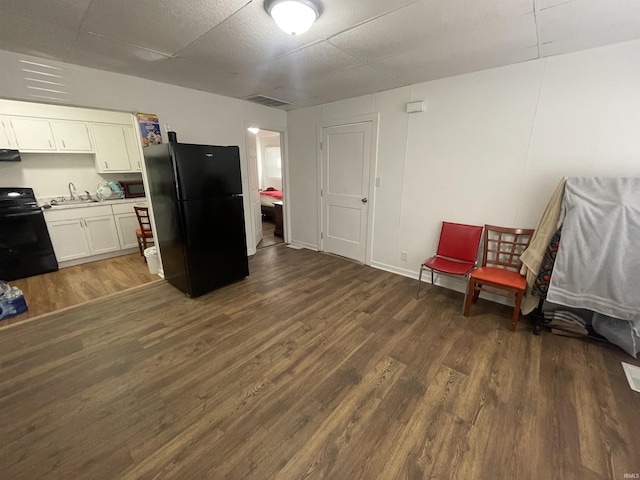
x: 75, y: 202
x: 62, y: 203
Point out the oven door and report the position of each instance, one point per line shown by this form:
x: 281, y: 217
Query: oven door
x: 25, y: 246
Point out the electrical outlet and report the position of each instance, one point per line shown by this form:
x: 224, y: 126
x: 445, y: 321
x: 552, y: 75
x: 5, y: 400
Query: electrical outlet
x: 403, y: 256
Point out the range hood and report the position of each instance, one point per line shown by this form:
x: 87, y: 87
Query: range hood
x: 8, y: 155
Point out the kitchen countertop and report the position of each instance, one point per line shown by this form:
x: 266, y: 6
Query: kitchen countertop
x: 63, y: 206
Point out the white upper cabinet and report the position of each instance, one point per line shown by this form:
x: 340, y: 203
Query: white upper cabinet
x: 131, y: 138
x: 6, y: 134
x: 33, y: 134
x: 71, y: 136
x: 113, y: 153
x: 40, y: 128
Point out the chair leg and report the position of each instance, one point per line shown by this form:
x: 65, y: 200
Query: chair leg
x: 419, y: 281
x: 476, y: 294
x: 469, y: 298
x: 432, y: 276
x: 140, y: 247
x: 516, y: 310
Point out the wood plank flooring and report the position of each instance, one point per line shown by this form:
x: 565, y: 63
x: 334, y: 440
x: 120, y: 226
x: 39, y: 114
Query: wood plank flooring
x: 313, y: 367
x: 268, y: 238
x: 74, y: 285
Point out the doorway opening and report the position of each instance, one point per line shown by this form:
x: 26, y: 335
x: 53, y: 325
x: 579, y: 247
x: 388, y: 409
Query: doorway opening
x: 265, y: 152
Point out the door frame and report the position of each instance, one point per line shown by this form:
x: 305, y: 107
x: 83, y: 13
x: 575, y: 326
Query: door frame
x: 284, y: 139
x: 374, y: 118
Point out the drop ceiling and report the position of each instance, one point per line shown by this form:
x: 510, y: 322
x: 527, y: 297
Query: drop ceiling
x: 233, y: 47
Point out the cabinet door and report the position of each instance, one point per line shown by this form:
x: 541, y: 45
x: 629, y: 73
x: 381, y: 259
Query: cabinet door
x: 33, y: 134
x: 132, y: 145
x: 71, y: 136
x: 6, y: 134
x: 127, y: 224
x: 69, y: 239
x: 112, y: 153
x: 102, y: 234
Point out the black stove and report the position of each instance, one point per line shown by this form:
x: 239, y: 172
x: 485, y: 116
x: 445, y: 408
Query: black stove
x: 25, y: 245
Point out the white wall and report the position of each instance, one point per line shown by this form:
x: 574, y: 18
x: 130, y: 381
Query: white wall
x: 490, y: 147
x: 197, y: 117
x: 49, y: 174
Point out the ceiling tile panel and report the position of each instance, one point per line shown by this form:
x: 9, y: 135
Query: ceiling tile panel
x: 302, y: 65
x: 105, y: 54
x: 63, y: 13
x: 433, y: 69
x: 202, y: 77
x: 583, y: 24
x: 162, y: 25
x: 340, y: 15
x: 490, y: 46
x: 233, y: 47
x: 288, y: 94
x: 247, y: 39
x: 350, y: 82
x: 36, y: 37
x: 424, y: 22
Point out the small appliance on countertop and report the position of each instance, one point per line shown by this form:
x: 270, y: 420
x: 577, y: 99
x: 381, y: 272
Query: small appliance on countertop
x: 25, y: 245
x: 133, y: 188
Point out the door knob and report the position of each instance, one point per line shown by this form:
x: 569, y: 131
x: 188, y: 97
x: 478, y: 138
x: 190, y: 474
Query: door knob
x: 364, y: 200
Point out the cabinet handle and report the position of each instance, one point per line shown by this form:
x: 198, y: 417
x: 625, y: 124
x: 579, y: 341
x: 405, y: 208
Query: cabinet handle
x: 139, y: 166
x: 50, y: 144
x: 81, y: 224
x: 106, y: 165
x: 63, y: 145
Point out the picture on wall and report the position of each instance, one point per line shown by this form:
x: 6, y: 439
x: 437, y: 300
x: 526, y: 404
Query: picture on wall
x: 149, y: 129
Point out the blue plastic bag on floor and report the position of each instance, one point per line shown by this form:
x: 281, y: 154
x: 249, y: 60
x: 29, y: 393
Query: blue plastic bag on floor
x: 12, y: 301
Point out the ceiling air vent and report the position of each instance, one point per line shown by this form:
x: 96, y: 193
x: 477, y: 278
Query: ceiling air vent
x: 267, y: 101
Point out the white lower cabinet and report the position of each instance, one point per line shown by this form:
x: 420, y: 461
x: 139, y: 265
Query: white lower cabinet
x: 69, y: 239
x: 82, y: 232
x: 127, y: 224
x: 102, y: 234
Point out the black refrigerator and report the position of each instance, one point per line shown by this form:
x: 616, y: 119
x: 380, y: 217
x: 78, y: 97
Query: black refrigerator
x: 196, y: 195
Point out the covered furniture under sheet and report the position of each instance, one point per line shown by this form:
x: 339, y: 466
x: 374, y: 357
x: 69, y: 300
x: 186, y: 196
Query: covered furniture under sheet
x: 597, y: 266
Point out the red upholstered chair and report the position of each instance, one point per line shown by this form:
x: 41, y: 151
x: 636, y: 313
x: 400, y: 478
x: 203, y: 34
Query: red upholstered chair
x: 500, y: 270
x: 457, y: 251
x: 144, y: 233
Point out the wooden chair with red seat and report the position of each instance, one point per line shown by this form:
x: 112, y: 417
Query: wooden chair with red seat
x: 144, y: 233
x: 457, y: 251
x: 500, y: 270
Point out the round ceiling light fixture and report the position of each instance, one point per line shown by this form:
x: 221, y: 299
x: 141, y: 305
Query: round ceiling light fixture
x: 294, y: 16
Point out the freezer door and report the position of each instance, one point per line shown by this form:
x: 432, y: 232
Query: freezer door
x: 205, y: 171
x: 215, y: 243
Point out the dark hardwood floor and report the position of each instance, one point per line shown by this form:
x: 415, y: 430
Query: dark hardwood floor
x: 268, y: 238
x: 74, y: 285
x: 313, y: 367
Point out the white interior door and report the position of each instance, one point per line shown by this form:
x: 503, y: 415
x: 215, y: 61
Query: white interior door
x: 254, y: 187
x: 346, y: 162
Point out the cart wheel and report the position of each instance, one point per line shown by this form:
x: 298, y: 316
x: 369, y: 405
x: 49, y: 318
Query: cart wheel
x: 536, y: 329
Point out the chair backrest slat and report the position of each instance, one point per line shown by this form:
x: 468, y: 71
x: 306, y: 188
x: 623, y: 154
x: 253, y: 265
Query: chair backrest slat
x: 143, y: 217
x: 503, y: 246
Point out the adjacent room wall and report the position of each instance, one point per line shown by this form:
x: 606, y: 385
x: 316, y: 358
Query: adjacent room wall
x: 197, y: 117
x: 490, y: 147
x: 265, y: 180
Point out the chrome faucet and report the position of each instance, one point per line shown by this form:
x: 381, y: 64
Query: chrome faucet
x: 71, y: 192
